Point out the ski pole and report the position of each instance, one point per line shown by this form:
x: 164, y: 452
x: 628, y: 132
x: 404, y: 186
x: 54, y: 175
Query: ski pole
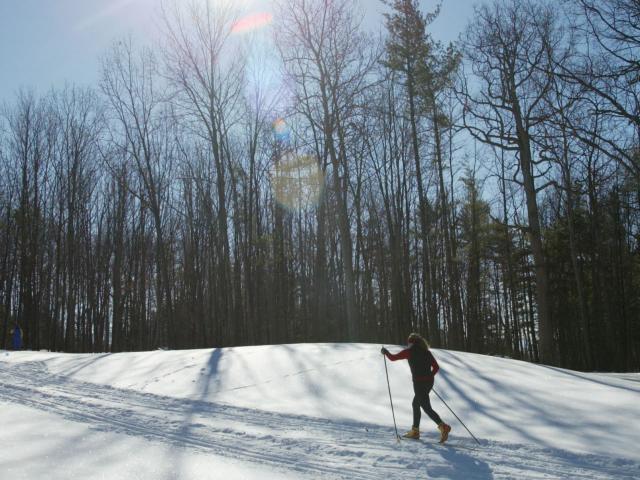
x: 390, y: 399
x: 454, y: 414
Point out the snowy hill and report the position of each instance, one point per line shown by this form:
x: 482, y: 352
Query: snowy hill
x: 306, y: 411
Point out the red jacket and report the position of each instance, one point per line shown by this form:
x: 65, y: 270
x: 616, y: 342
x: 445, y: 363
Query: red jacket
x: 422, y: 362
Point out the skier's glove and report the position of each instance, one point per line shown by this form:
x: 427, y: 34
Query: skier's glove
x: 384, y: 351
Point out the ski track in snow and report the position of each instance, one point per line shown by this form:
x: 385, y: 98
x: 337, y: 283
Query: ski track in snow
x: 311, y: 447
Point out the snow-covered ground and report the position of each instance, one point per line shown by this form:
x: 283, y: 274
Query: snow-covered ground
x: 306, y: 411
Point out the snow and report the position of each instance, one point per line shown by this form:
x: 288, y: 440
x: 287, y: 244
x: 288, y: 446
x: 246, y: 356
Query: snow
x: 40, y: 445
x: 307, y: 411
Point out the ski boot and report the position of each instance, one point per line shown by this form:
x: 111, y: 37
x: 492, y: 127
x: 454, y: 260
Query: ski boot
x: 444, y: 432
x: 414, y: 434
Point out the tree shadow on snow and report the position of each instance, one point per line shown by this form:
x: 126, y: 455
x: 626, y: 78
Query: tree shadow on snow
x: 81, y: 365
x: 546, y: 407
x: 333, y: 449
x: 193, y: 409
x: 589, y: 378
x: 460, y: 466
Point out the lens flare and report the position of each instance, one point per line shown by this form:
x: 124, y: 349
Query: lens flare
x: 281, y: 130
x: 113, y: 9
x: 297, y: 181
x: 252, y: 22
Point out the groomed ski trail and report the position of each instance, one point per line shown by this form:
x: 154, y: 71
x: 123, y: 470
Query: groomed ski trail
x: 311, y: 447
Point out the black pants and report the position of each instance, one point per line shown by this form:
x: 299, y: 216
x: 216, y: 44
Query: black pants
x: 421, y: 399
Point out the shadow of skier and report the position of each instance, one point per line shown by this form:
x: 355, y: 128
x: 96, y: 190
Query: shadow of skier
x: 460, y: 466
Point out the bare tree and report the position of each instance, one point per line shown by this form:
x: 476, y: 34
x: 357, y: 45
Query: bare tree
x: 606, y: 67
x: 30, y: 146
x: 509, y: 56
x: 142, y: 131
x: 329, y: 61
x: 207, y: 77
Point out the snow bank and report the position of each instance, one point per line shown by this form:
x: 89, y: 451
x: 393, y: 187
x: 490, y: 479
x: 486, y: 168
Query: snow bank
x: 306, y: 411
x: 497, y: 398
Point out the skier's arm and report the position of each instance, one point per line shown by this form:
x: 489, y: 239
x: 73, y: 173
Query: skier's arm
x: 403, y: 355
x: 434, y: 365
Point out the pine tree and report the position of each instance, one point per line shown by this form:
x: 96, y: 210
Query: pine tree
x: 426, y: 68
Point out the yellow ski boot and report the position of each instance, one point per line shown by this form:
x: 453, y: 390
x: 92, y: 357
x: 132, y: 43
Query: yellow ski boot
x: 414, y: 433
x: 444, y: 432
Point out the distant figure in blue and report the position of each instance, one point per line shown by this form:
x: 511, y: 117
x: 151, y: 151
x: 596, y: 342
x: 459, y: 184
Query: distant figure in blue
x: 17, y: 338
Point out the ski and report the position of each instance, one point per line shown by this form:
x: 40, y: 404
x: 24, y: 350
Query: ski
x: 438, y: 444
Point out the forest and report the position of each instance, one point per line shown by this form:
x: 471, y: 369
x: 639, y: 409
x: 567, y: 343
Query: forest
x: 352, y: 186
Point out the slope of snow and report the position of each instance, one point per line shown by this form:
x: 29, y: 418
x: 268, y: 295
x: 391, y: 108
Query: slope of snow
x: 42, y: 444
x: 306, y: 411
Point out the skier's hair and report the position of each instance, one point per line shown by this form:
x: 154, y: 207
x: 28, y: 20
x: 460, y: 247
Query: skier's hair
x: 419, y: 339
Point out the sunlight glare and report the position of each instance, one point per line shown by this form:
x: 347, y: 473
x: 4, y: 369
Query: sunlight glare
x: 297, y: 181
x: 252, y: 22
x: 281, y: 130
x: 113, y: 9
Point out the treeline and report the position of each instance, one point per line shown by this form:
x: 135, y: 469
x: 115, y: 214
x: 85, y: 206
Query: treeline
x: 485, y: 193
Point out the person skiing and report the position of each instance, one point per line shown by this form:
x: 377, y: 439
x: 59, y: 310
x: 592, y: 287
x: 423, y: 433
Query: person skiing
x: 17, y: 337
x: 423, y: 369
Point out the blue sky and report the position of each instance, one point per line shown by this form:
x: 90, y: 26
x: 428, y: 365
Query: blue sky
x: 44, y: 43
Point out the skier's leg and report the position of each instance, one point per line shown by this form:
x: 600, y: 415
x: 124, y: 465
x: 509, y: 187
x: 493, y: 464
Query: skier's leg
x: 415, y: 429
x: 416, y: 411
x: 426, y: 405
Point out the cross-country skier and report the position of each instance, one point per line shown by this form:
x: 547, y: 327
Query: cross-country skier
x: 423, y: 369
x: 17, y: 337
